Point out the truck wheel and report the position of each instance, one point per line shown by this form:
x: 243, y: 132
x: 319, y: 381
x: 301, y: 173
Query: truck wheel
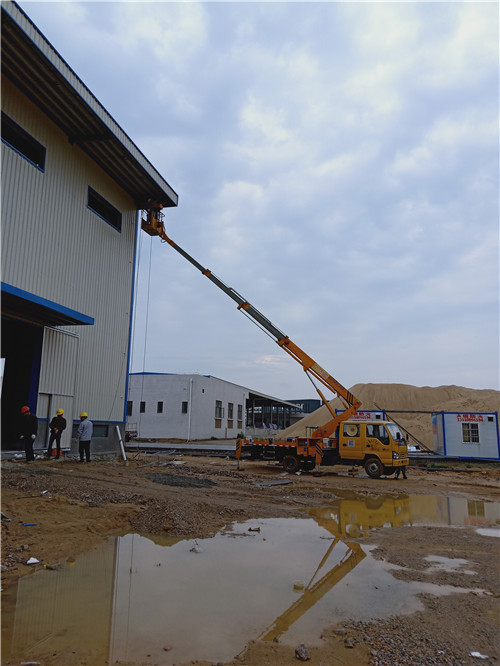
x: 290, y: 464
x: 374, y: 468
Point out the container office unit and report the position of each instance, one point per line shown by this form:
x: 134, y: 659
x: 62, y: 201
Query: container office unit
x: 466, y: 435
x: 73, y: 184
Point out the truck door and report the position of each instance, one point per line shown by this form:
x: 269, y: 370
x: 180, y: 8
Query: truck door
x: 351, y: 441
x: 378, y: 442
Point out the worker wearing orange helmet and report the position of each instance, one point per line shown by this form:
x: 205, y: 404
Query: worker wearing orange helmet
x: 28, y: 432
x: 84, y: 435
x: 56, y: 426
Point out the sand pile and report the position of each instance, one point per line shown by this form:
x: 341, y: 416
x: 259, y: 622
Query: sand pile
x: 393, y: 397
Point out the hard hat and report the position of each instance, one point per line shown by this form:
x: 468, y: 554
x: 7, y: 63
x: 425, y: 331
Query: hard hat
x: 25, y: 409
x: 83, y: 414
x: 60, y: 412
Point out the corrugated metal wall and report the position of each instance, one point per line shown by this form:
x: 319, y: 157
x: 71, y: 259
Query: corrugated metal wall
x: 55, y: 247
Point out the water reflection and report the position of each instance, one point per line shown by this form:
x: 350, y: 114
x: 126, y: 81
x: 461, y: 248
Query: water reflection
x: 139, y: 601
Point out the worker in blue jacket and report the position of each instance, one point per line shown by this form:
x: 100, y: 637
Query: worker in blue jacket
x: 84, y: 435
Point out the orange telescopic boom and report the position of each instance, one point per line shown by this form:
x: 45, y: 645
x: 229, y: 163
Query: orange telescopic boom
x: 154, y: 226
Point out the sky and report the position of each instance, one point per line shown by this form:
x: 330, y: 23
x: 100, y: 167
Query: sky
x: 337, y: 163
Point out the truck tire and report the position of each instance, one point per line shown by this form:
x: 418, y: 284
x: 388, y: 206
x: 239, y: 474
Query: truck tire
x: 374, y: 468
x: 290, y: 464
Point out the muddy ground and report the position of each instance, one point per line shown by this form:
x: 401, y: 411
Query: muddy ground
x: 75, y: 506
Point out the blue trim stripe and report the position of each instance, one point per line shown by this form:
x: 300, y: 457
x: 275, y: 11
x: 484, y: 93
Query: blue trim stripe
x: 51, y: 305
x: 443, y: 430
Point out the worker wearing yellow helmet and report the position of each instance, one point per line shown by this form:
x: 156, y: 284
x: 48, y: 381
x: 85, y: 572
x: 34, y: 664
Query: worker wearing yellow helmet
x: 84, y: 436
x: 56, y: 427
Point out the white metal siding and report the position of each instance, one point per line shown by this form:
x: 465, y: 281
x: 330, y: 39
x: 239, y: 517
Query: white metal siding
x: 59, y: 358
x: 55, y: 247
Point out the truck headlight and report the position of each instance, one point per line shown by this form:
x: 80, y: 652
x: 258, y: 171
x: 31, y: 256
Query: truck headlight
x: 395, y: 455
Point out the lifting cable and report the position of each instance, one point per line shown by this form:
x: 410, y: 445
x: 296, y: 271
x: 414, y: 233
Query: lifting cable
x: 134, y: 320
x: 146, y: 317
x: 146, y: 327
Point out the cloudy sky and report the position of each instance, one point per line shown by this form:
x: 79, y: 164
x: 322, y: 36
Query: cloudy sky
x: 336, y: 163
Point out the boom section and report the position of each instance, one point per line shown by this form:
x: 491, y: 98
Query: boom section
x: 154, y: 227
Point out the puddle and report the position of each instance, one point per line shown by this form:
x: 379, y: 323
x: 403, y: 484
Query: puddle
x: 133, y: 599
x: 489, y: 531
x: 456, y: 565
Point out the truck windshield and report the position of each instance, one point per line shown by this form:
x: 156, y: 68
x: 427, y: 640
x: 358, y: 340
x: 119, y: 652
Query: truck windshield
x: 396, y: 433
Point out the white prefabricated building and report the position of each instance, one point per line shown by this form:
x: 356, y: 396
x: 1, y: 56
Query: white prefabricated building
x: 187, y: 407
x: 73, y: 186
x: 466, y: 435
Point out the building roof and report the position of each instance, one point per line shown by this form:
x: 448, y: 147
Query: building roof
x: 37, y: 69
x: 257, y: 398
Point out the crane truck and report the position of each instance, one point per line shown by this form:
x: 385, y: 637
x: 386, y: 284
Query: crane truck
x: 380, y: 447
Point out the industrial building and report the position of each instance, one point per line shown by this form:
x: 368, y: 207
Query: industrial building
x: 197, y: 407
x: 466, y: 435
x: 73, y: 186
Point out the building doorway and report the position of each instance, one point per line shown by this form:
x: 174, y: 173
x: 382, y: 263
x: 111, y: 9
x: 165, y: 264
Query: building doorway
x: 21, y: 348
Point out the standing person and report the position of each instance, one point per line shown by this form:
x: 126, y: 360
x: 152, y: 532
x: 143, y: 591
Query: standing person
x: 57, y: 425
x: 29, y: 431
x: 399, y: 470
x: 84, y: 435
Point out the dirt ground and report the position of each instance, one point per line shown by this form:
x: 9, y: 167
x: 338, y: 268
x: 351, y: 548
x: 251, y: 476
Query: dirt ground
x: 75, y: 506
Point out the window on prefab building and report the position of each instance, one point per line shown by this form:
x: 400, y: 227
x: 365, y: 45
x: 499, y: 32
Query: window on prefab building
x: 219, y: 413
x: 240, y: 417
x: 23, y: 143
x: 130, y: 406
x: 470, y: 433
x: 104, y: 209
x: 184, y: 407
x: 159, y: 408
x: 230, y: 410
x: 142, y: 407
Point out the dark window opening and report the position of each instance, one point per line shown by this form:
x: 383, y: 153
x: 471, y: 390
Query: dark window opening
x: 100, y: 430
x: 22, y: 142
x: 104, y: 209
x: 130, y: 405
x: 184, y: 407
x: 159, y: 408
x: 142, y: 407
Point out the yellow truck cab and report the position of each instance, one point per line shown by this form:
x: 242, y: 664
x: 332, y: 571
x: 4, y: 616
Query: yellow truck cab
x: 380, y: 446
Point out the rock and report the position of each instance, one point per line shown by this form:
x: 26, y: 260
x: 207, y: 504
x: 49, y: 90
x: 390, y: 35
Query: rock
x: 348, y: 642
x: 302, y: 653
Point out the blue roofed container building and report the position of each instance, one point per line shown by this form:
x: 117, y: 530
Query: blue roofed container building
x: 73, y: 188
